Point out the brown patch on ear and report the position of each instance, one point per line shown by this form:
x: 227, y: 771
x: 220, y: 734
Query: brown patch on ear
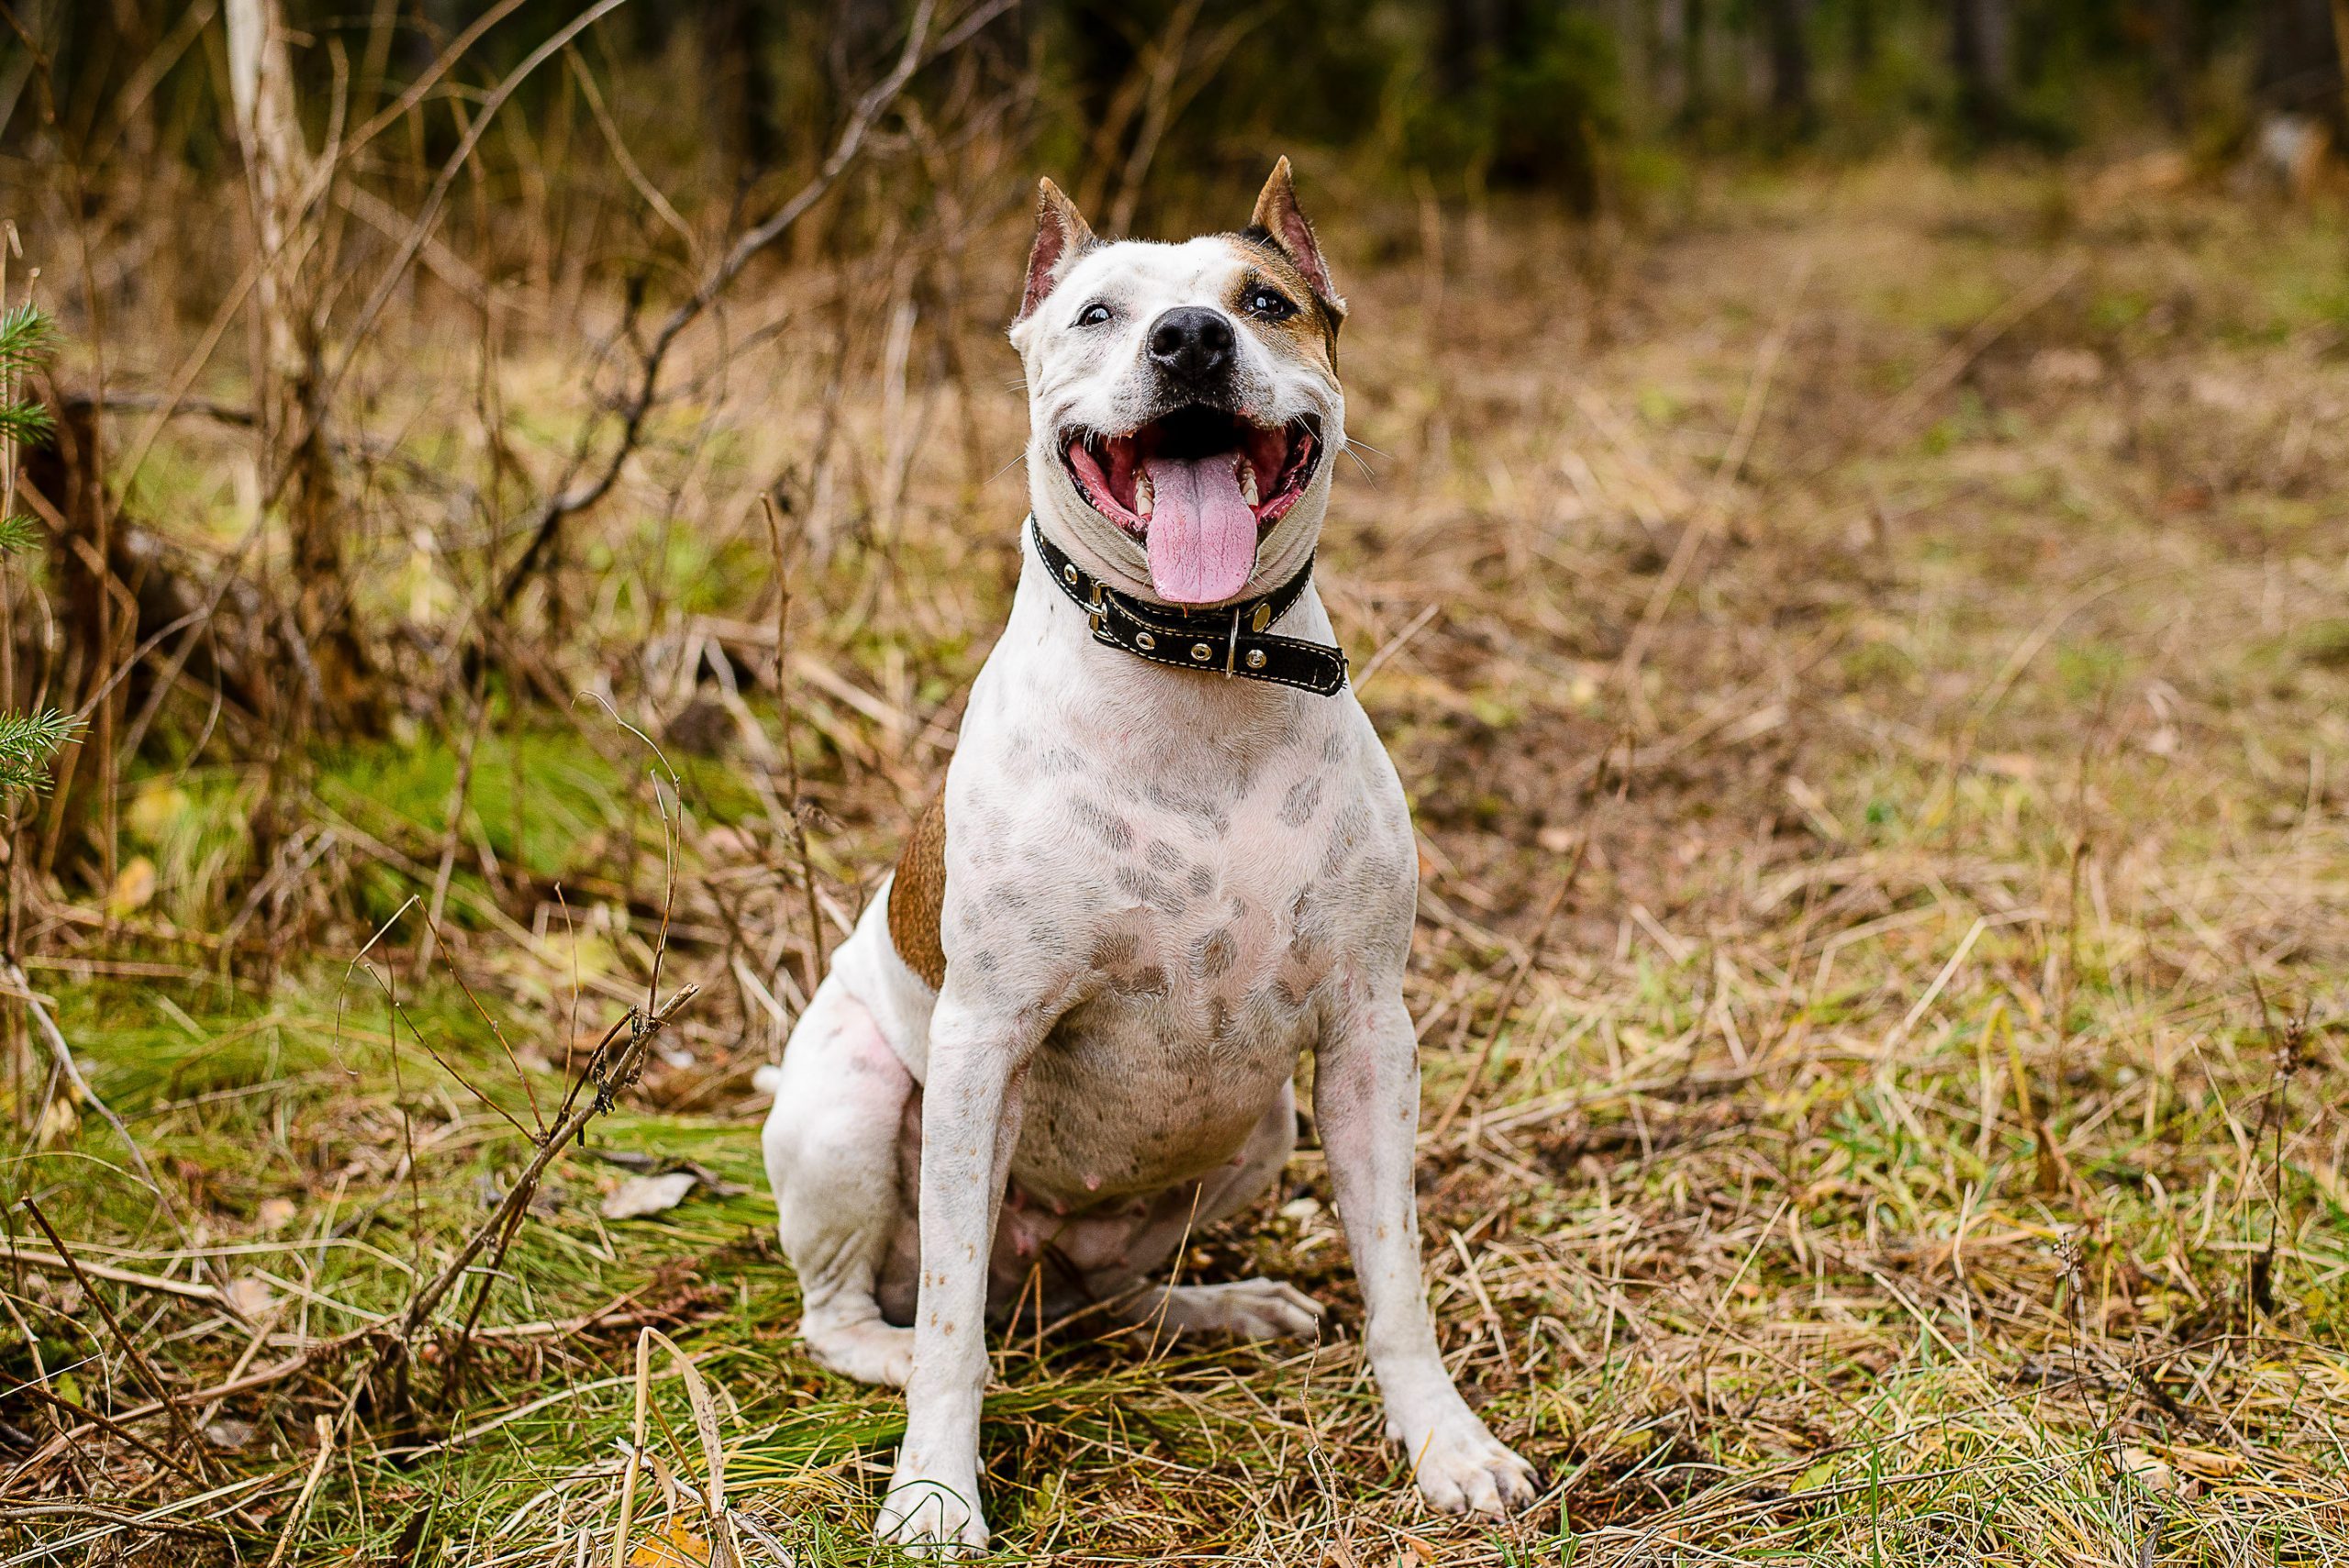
x: 919, y: 893
x: 1062, y: 236
x: 1278, y: 216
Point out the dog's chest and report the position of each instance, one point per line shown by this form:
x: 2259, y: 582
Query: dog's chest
x: 1216, y: 911
x: 1185, y: 869
x: 1204, y: 926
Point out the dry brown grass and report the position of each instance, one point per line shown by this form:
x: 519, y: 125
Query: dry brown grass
x: 1914, y: 602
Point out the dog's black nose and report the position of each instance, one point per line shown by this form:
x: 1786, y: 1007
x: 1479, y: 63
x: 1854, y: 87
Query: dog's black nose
x: 1191, y: 343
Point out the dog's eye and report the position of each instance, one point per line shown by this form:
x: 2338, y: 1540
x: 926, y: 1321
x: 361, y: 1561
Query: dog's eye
x: 1093, y: 315
x: 1269, y: 302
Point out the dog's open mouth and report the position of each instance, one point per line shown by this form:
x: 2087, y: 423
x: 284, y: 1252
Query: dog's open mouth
x: 1200, y: 488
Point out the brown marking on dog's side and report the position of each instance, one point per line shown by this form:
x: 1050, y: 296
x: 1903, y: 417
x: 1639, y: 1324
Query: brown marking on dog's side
x: 919, y: 892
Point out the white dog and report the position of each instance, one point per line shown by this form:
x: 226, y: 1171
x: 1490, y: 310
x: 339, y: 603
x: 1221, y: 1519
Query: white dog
x: 1171, y: 858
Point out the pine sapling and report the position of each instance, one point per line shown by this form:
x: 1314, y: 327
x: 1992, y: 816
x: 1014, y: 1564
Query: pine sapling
x: 28, y: 741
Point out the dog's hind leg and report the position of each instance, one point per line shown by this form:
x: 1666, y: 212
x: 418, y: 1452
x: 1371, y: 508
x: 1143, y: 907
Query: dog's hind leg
x: 833, y: 1161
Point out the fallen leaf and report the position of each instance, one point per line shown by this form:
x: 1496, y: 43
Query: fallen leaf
x: 675, y: 1547
x: 230, y: 1435
x: 274, y: 1213
x: 59, y: 1121
x: 2207, y: 1462
x: 134, y: 886
x: 249, y: 1296
x: 153, y: 809
x: 2150, y: 1472
x: 640, y: 1196
x: 1425, y: 1553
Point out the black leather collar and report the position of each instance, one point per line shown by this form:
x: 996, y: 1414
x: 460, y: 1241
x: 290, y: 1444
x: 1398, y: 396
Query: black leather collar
x: 1232, y: 639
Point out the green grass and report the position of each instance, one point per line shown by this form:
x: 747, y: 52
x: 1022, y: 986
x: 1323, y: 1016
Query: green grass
x: 1981, y: 776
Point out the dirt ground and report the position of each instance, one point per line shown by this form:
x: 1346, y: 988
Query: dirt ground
x: 1908, y: 617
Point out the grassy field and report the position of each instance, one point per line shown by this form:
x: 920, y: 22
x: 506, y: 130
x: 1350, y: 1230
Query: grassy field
x: 1917, y: 606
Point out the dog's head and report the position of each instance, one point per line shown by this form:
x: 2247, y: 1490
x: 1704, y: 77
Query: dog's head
x: 1183, y: 400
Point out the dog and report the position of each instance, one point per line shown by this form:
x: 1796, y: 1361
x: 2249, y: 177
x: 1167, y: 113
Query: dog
x: 1171, y: 858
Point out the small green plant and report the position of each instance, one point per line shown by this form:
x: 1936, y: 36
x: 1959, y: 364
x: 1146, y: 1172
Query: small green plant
x: 28, y: 740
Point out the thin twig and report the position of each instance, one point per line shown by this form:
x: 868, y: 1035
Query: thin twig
x: 147, y: 1371
x: 1509, y: 993
x: 793, y: 808
x: 108, y: 1423
x: 324, y: 1425
x: 65, y: 1054
x: 638, y: 405
x: 621, y: 1071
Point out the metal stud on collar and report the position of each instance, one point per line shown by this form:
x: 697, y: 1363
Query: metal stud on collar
x: 1202, y: 652
x: 1144, y: 641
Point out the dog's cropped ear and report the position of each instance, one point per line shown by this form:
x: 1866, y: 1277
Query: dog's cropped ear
x: 1277, y: 214
x: 1062, y: 236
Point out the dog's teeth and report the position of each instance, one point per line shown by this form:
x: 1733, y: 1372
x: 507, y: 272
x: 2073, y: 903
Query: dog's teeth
x: 1144, y: 497
x: 1247, y: 481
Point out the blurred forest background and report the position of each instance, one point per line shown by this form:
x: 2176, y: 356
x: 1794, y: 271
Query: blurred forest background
x: 262, y: 236
x: 502, y: 502
x: 1152, y: 106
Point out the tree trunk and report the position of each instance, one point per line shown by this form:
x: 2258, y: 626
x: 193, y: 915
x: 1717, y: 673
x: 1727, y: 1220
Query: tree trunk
x: 1656, y: 70
x: 1695, y: 79
x: 1979, y: 49
x: 1789, y: 65
x: 741, y: 81
x: 2173, y: 56
x: 332, y: 676
x: 1861, y: 41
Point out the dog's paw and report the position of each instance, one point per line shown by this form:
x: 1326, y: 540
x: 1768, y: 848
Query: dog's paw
x: 928, y: 1517
x: 1248, y: 1308
x: 1461, y: 1468
x: 867, y: 1351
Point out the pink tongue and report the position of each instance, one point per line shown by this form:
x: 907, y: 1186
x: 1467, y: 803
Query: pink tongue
x: 1202, y: 534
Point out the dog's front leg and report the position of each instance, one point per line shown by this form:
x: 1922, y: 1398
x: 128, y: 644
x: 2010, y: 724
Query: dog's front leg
x: 1366, y: 1099
x: 969, y: 1125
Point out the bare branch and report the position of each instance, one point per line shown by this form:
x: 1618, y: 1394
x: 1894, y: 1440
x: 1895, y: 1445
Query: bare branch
x: 638, y: 406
